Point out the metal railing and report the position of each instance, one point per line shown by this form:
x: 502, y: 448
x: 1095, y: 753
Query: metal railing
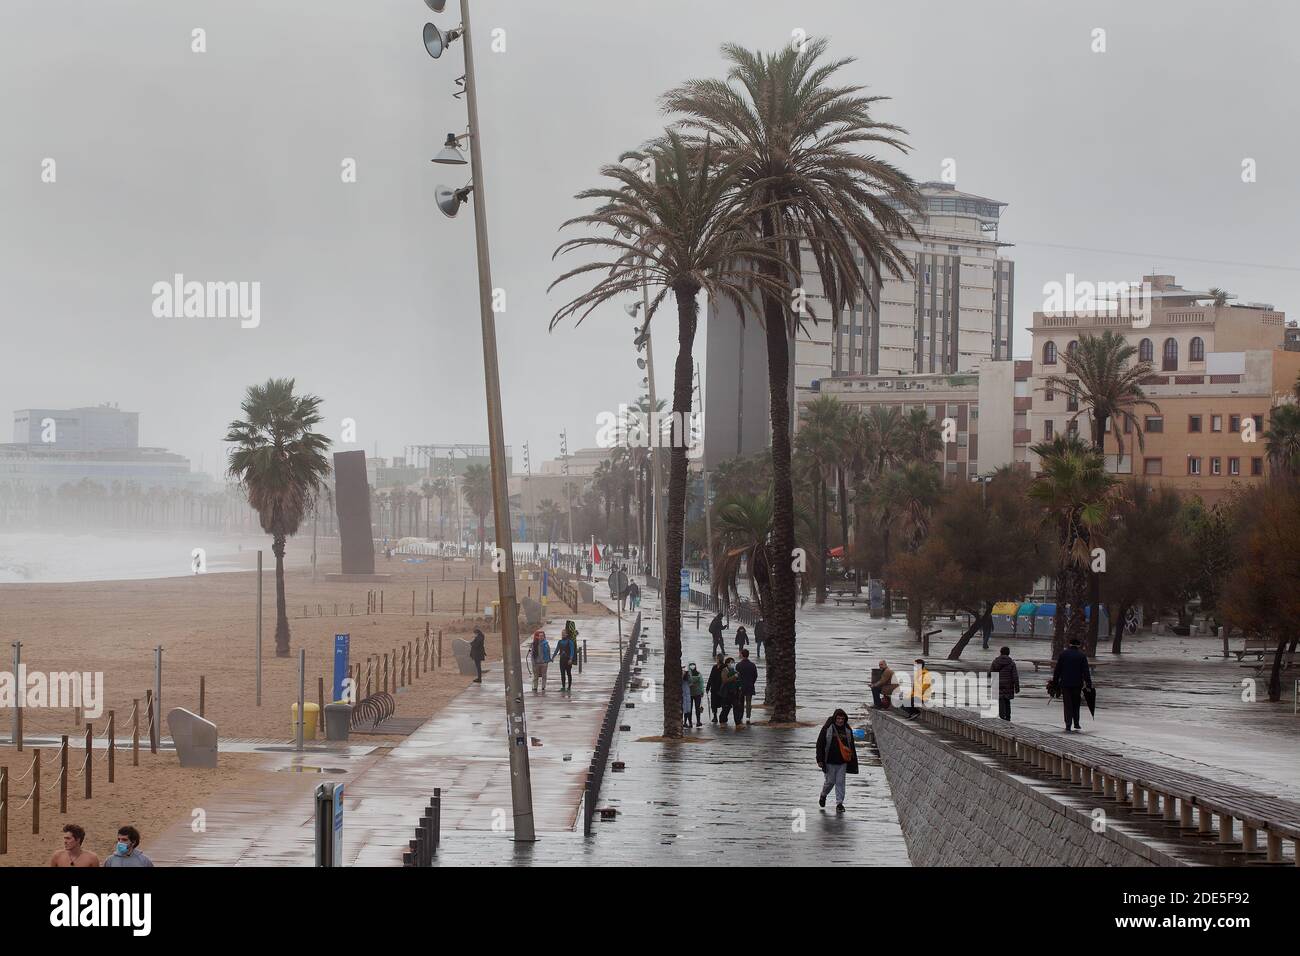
x: 605, y: 739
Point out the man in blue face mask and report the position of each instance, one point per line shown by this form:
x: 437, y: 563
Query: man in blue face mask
x: 127, y: 852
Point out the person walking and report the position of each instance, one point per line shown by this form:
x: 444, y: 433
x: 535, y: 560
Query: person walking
x: 566, y: 649
x: 742, y: 638
x: 716, y: 627
x: 730, y: 691
x: 714, y: 687
x: 477, y: 652
x: 634, y: 595
x: 760, y: 635
x: 748, y: 672
x: 540, y: 657
x: 883, y: 687
x: 1071, y: 676
x: 686, y: 699
x: 986, y: 627
x: 72, y: 853
x: 697, y: 692
x: 837, y: 755
x: 127, y: 852
x: 1008, y: 681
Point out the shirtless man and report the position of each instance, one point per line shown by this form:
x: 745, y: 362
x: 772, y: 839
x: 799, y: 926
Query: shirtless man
x: 72, y: 854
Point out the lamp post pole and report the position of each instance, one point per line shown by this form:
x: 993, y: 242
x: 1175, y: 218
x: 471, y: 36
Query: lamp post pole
x: 520, y: 782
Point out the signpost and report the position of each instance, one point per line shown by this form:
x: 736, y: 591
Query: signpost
x: 686, y: 583
x: 341, y: 647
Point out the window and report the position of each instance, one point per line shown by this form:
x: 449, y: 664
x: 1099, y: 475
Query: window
x: 1151, y: 466
x: 1257, y: 466
x: 1047, y: 429
x: 1196, y: 350
x: 1193, y: 465
x: 1072, y: 347
x: 1216, y: 423
x: 1234, y: 423
x: 1234, y: 466
x: 1049, y: 394
x: 1073, y: 427
x: 1170, y: 356
x: 1071, y: 402
x: 1214, y: 466
x: 1146, y: 353
x: 1154, y: 424
x: 1259, y: 423
x: 1049, y: 353
x: 1193, y: 423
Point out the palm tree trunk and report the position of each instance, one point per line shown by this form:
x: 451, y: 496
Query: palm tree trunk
x: 675, y: 517
x: 281, y: 609
x: 819, y: 493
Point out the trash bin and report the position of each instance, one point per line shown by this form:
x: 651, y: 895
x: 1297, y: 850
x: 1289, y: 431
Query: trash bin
x: 338, y: 718
x: 311, y: 714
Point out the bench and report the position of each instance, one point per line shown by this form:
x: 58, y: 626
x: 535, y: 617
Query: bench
x: 1190, y: 801
x: 1049, y: 664
x: 1259, y: 646
x: 854, y: 601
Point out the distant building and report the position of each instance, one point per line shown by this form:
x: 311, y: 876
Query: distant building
x: 952, y: 314
x: 95, y: 428
x: 1215, y: 367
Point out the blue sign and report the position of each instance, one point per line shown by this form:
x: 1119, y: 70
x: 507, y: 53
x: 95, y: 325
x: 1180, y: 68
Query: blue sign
x: 686, y: 583
x: 341, y: 642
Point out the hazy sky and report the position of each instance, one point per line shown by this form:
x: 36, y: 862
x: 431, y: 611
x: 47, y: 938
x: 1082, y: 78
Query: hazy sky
x: 225, y: 166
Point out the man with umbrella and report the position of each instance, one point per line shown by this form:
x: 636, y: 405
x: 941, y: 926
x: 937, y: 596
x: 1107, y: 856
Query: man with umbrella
x: 1074, y: 679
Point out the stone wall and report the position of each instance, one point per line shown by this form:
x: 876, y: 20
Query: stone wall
x: 963, y: 809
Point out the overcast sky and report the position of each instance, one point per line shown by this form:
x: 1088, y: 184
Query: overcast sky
x: 225, y: 166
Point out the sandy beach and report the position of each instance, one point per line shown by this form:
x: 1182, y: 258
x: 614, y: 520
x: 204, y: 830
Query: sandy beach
x: 206, y: 625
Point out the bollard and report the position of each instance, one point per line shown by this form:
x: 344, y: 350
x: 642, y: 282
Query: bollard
x: 462, y: 598
x: 36, y: 790
x: 385, y: 673
x: 439, y: 647
x: 202, y: 694
x: 112, y: 742
x: 320, y: 713
x: 90, y: 755
x: 437, y: 819
x: 381, y: 600
x: 63, y: 775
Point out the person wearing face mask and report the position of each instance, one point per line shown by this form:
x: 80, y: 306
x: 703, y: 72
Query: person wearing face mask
x: 836, y: 756
x: 127, y: 852
x: 696, y: 680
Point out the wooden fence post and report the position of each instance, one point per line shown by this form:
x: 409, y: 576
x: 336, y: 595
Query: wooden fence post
x: 135, y: 733
x: 90, y: 755
x: 63, y: 775
x: 36, y: 791
x: 112, y: 743
x: 320, y: 713
x: 439, y: 647
x: 202, y: 693
x: 4, y: 810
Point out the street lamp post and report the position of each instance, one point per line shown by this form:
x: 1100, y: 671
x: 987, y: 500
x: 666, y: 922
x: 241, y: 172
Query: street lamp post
x: 517, y: 736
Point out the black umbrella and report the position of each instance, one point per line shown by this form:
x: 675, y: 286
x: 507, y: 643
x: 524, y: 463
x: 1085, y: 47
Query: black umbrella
x: 1090, y: 698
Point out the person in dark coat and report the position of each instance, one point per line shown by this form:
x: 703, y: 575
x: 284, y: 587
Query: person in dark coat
x: 837, y: 755
x: 1072, y: 675
x: 714, y: 688
x: 716, y: 627
x: 1008, y: 681
x: 748, y: 672
x: 760, y: 635
x: 742, y: 639
x: 730, y: 693
x: 477, y: 652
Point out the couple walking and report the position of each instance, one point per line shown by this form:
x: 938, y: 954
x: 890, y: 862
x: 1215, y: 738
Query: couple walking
x: 540, y: 656
x: 731, y: 687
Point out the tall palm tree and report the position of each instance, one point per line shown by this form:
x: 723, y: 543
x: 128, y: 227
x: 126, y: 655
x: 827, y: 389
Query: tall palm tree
x: 476, y: 486
x: 821, y: 441
x: 799, y: 137
x: 1076, y: 494
x: 1107, y: 388
x: 279, y: 462
x: 679, y: 231
x: 886, y: 434
x: 549, y: 513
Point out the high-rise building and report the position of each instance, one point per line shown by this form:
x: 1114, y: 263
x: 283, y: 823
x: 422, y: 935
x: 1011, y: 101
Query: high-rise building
x: 950, y: 315
x: 97, y: 428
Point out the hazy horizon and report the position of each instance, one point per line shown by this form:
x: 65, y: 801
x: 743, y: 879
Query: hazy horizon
x: 225, y: 166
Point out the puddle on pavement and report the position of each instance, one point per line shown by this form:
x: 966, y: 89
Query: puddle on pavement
x: 299, y: 768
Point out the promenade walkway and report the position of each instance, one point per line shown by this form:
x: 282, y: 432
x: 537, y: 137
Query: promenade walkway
x: 461, y: 749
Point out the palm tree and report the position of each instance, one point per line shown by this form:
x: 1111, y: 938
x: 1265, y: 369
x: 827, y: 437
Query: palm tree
x: 821, y: 442
x: 885, y: 436
x: 678, y: 231
x: 1099, y: 377
x: 549, y: 513
x: 1076, y: 494
x: 796, y: 136
x: 1283, y: 437
x: 279, y: 462
x: 1220, y: 296
x: 476, y: 486
x: 920, y: 438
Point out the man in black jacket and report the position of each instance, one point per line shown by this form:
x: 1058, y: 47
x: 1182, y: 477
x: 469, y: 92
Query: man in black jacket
x: 1008, y: 681
x: 1072, y: 675
x: 748, y: 681
x: 476, y: 653
x: 716, y: 627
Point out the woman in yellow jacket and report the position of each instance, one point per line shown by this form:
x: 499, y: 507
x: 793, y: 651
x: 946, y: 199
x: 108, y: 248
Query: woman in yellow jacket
x: 920, y: 694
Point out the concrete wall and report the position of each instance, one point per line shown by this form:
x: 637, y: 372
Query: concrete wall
x: 958, y: 809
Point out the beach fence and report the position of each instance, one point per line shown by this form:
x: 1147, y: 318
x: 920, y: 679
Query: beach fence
x: 605, y: 738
